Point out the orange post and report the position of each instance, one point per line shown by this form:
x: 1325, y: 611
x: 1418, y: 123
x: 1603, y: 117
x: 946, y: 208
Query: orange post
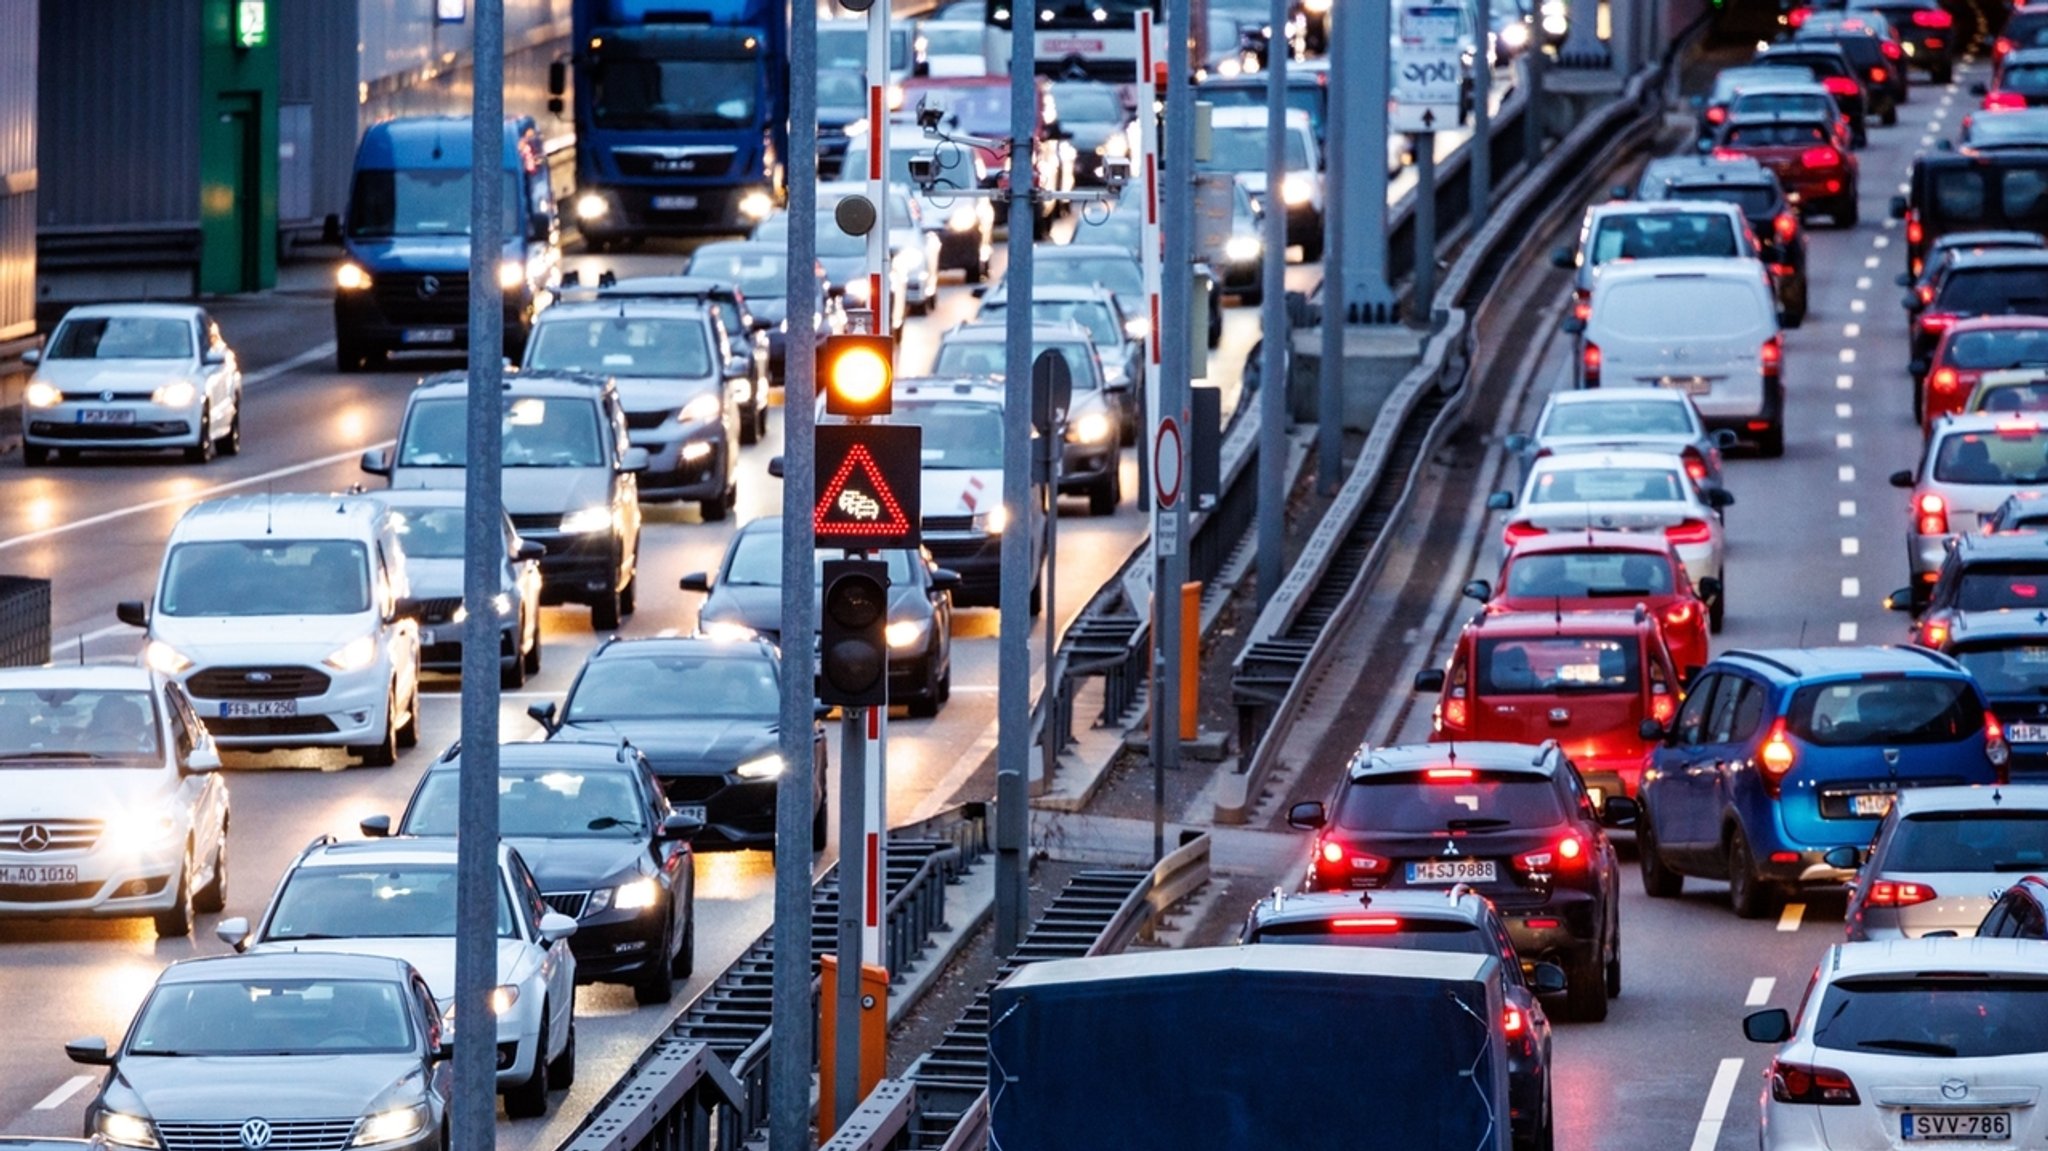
x: 1190, y: 659
x: 874, y: 1035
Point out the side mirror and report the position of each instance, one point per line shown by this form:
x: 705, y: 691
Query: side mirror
x: 529, y: 551
x: 1944, y: 146
x: 1651, y: 731
x: 406, y: 607
x: 1501, y: 501
x: 376, y: 462
x: 1900, y: 600
x: 1429, y: 679
x: 1978, y: 89
x: 133, y: 612
x: 945, y: 579
x: 1516, y: 442
x: 233, y: 931
x: 1909, y: 301
x: 699, y: 582
x: 1480, y: 590
x: 32, y: 357
x: 1901, y: 479
x: 1620, y: 811
x: 543, y: 714
x: 1709, y: 587
x: 634, y: 460
x: 1771, y: 1025
x: 330, y: 230
x: 681, y: 828
x: 1547, y: 979
x: 556, y: 107
x: 1898, y: 207
x: 558, y: 77
x: 1571, y: 325
x: 1845, y: 857
x: 1561, y: 258
x: 202, y: 760
x: 1903, y: 280
x: 775, y: 466
x: 980, y: 290
x: 1718, y: 498
x: 1918, y: 368
x: 1306, y: 816
x: 91, y: 1052
x: 554, y: 926
x: 376, y: 827
x: 1618, y: 192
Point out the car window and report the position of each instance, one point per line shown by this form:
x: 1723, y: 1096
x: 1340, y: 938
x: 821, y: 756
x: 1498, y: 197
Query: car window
x: 1994, y: 291
x: 380, y: 900
x: 621, y: 346
x: 757, y: 561
x: 1955, y: 1018
x: 675, y: 686
x: 539, y: 431
x: 1617, y: 418
x: 2024, y: 190
x: 1388, y: 930
x: 1997, y: 348
x: 1691, y: 725
x: 1900, y: 710
x: 2011, y: 455
x: 532, y: 904
x: 182, y: 737
x: 1640, y: 236
x: 1589, y: 574
x: 1985, y: 587
x: 253, y: 1016
x: 1736, y: 707
x: 2014, y: 667
x: 1998, y: 924
x: 1558, y: 664
x: 1608, y: 485
x: 1776, y: 135
x: 1452, y: 799
x: 57, y: 727
x: 1122, y: 276
x: 1755, y: 200
x: 968, y: 436
x: 430, y: 1012
x: 265, y: 577
x: 121, y: 338
x: 1700, y: 307
x: 544, y: 803
x: 1994, y: 840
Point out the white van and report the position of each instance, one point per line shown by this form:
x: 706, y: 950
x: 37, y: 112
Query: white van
x: 287, y: 621
x: 1708, y: 327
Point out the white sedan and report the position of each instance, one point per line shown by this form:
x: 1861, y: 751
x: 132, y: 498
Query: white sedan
x: 1637, y: 491
x: 133, y: 377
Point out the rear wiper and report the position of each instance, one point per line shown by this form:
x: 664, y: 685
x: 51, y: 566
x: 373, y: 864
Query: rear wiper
x: 1919, y: 1046
x: 2016, y: 865
x: 1476, y: 823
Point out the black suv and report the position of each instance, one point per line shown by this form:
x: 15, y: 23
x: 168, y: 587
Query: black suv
x: 1873, y: 47
x: 1780, y: 234
x: 2020, y: 913
x: 1831, y: 65
x: 1460, y: 921
x: 1511, y: 821
x: 1999, y: 282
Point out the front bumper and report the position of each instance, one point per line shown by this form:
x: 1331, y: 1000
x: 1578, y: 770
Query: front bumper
x: 638, y: 210
x: 737, y: 812
x: 1563, y: 929
x: 576, y: 568
x: 104, y: 882
x: 440, y: 325
x: 616, y: 946
x: 1083, y: 466
x: 142, y: 425
x: 351, y: 710
x: 441, y: 645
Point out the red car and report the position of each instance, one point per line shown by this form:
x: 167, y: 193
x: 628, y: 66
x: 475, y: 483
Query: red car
x: 1806, y: 153
x: 1586, y: 679
x: 1969, y: 348
x: 1603, y: 571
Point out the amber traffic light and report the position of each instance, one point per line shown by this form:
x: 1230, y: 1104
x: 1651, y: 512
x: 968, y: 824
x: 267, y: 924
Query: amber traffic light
x: 857, y: 373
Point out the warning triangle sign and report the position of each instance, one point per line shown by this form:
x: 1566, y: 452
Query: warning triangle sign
x: 869, y: 484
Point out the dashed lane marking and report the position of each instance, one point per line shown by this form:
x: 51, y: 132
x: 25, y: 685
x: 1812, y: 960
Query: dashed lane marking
x: 1846, y: 473
x: 1851, y: 331
x: 1708, y: 1133
x: 1847, y: 632
x: 1848, y: 355
x: 1870, y: 261
x: 1759, y: 991
x: 1882, y: 241
x: 1844, y: 411
x: 1789, y: 921
x: 70, y: 1087
x: 1847, y: 508
x: 1851, y: 546
x: 1857, y: 305
x: 1851, y: 587
x: 1845, y: 440
x: 1844, y: 383
x: 1862, y: 285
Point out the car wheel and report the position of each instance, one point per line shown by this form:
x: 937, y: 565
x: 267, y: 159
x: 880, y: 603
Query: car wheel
x: 1037, y: 603
x: 1944, y: 74
x: 1108, y: 493
x: 1770, y: 443
x: 533, y: 653
x: 629, y: 596
x: 819, y: 820
x: 685, y: 962
x: 1614, y: 972
x: 1749, y: 894
x: 175, y: 922
x: 750, y: 428
x: 655, y: 984
x: 1848, y: 214
x: 926, y: 704
x: 1586, y: 989
x: 528, y: 1098
x: 604, y: 612
x: 408, y: 733
x: 349, y: 355
x: 386, y: 753
x: 1659, y: 881
x: 1718, y: 609
x: 562, y: 1068
x: 231, y: 444
x: 1891, y: 115
x: 34, y: 456
x: 1795, y: 311
x: 512, y: 672
x: 715, y: 511
x: 1312, y: 246
x: 201, y: 452
x: 213, y: 898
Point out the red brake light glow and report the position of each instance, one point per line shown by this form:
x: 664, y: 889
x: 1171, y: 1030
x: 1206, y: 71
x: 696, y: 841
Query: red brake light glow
x: 1448, y: 775
x: 2003, y: 101
x: 1933, y: 634
x: 1513, y: 1022
x: 2000, y: 47
x: 1930, y: 515
x: 1995, y: 748
x: 1932, y: 18
x: 1689, y: 531
x: 1890, y: 893
x: 1590, y: 361
x: 1936, y: 321
x: 1678, y: 614
x: 1804, y: 1083
x: 1842, y: 85
x: 1775, y: 757
x: 1695, y: 463
x: 1520, y: 530
x: 1771, y: 356
x: 1914, y: 234
x: 1825, y: 157
x: 1662, y: 706
x: 1368, y: 923
x: 1332, y: 852
x: 1786, y: 225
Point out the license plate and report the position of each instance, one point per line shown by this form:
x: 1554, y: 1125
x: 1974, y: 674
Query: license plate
x: 258, y: 708
x: 1691, y: 385
x: 674, y: 203
x: 107, y: 416
x: 2027, y: 732
x: 39, y: 874
x: 428, y: 336
x: 1451, y: 871
x: 693, y: 810
x: 1868, y: 804
x: 1977, y: 1126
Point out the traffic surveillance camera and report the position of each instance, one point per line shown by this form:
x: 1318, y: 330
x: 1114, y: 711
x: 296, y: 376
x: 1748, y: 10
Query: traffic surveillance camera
x: 930, y: 116
x: 924, y: 170
x: 1116, y: 172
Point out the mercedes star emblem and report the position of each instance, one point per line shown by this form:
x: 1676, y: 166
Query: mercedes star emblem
x: 256, y: 1134
x: 430, y: 286
x: 34, y: 837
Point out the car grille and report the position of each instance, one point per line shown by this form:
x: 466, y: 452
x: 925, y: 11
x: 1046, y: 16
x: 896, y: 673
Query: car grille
x: 440, y: 609
x: 647, y: 421
x: 56, y: 834
x: 245, y: 728
x: 696, y: 164
x: 691, y: 788
x: 537, y: 523
x: 398, y: 297
x: 47, y: 892
x: 949, y: 523
x: 257, y: 683
x: 285, y: 1135
x: 569, y: 903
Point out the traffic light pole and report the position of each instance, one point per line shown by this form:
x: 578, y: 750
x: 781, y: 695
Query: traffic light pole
x: 1169, y: 469
x: 853, y: 899
x: 1273, y: 318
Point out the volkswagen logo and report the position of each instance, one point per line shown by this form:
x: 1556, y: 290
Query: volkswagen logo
x: 430, y: 286
x: 256, y: 1134
x: 1954, y: 1089
x: 258, y: 677
x: 34, y: 837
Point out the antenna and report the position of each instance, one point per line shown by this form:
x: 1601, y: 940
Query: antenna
x: 1802, y: 633
x: 269, y: 491
x: 1557, y: 606
x: 81, y: 649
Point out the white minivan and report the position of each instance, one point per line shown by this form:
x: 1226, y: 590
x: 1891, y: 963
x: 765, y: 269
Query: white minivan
x: 1707, y: 326
x: 287, y: 621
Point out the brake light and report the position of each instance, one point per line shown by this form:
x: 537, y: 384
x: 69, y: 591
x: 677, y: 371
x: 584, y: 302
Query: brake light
x: 1582, y: 305
x: 1995, y: 748
x: 1936, y: 321
x: 1930, y: 515
x: 1806, y: 1083
x: 1786, y: 225
x: 1717, y: 114
x: 1662, y: 706
x: 2000, y: 47
x: 1367, y: 923
x: 1946, y: 380
x: 1336, y: 866
x: 1448, y: 775
x: 1567, y: 854
x: 1771, y: 356
x: 1825, y: 157
x: 1520, y: 530
x: 1932, y: 18
x: 1678, y: 614
x: 1914, y: 234
x: 1926, y: 294
x: 1798, y: 16
x: 1890, y: 893
x: 1695, y: 463
x: 2003, y: 101
x: 1842, y: 85
x: 1589, y: 360
x: 1513, y: 1022
x: 1332, y: 852
x: 1933, y: 634
x: 1776, y: 757
x: 1891, y: 52
x: 1689, y: 531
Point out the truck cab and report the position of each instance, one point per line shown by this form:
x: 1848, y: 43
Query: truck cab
x: 404, y: 286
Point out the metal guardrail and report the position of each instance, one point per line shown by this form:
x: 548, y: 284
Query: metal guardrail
x: 24, y: 621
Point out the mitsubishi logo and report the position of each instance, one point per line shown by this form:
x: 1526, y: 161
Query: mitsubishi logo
x: 34, y: 837
x: 256, y: 1134
x: 430, y: 286
x: 1451, y: 847
x: 1560, y: 715
x: 1954, y: 1089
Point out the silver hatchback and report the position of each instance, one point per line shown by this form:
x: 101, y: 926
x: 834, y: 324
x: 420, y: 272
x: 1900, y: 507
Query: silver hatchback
x: 1942, y: 857
x: 1969, y: 467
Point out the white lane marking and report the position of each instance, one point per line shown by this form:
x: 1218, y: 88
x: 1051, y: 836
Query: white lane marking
x: 55, y: 1099
x: 1759, y: 991
x: 1708, y: 1133
x: 191, y: 497
x: 1846, y: 473
x: 1844, y: 411
x: 1870, y: 261
x: 1845, y: 440
x: 975, y: 688
x: 1888, y: 225
x: 1857, y: 305
x: 1926, y: 141
x: 1862, y: 285
x: 1882, y: 241
x: 1789, y: 921
x: 1848, y: 355
x: 1906, y: 186
x: 1847, y: 508
x: 1847, y: 632
x: 1845, y: 382
x: 1851, y: 331
x: 310, y: 355
x: 1851, y: 587
x: 1851, y: 546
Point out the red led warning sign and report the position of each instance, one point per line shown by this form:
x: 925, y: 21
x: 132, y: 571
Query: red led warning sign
x: 868, y: 485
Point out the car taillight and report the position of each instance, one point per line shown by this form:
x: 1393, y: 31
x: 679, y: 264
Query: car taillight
x: 1925, y: 294
x: 2000, y: 47
x: 1695, y: 463
x: 1798, y: 16
x: 1933, y: 634
x: 1332, y: 852
x: 1771, y: 356
x: 1806, y: 1083
x: 2003, y: 101
x: 1936, y: 321
x: 1995, y: 748
x: 1820, y: 158
x: 1890, y: 893
x: 1589, y: 360
x: 1776, y: 757
x: 1449, y: 775
x: 1520, y: 530
x: 1786, y: 225
x: 1367, y: 923
x: 1513, y: 1022
x: 1842, y: 85
x: 1932, y: 18
x: 1891, y: 52
x: 1716, y: 114
x: 1582, y: 305
x: 1689, y: 531
x: 1678, y: 614
x: 1930, y: 515
x: 1567, y: 854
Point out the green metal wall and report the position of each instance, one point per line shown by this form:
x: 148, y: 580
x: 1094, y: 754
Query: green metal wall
x: 238, y: 96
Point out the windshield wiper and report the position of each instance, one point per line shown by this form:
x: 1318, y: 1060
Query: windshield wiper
x: 1919, y: 1046
x: 64, y: 755
x: 607, y: 822
x: 1476, y: 823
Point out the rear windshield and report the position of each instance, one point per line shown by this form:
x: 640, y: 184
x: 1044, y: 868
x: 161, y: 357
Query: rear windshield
x: 1989, y: 587
x: 1991, y: 350
x: 1547, y: 665
x: 1755, y: 200
x: 2026, y: 29
x: 1590, y: 574
x: 1995, y: 291
x: 2027, y: 79
x: 2006, y: 128
x: 1821, y: 64
x: 2027, y: 397
x: 1702, y: 307
x: 1954, y: 1017
x: 1483, y: 801
x: 2009, y: 456
x: 1642, y: 237
x: 622, y: 346
x: 2008, y: 669
x: 1618, y: 418
x: 2003, y: 194
x: 1368, y: 928
x: 1919, y: 709
x: 1776, y: 135
x: 1608, y: 485
x: 1791, y: 103
x: 1969, y: 841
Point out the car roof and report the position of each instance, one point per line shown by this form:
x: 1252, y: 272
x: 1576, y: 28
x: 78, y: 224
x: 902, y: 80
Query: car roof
x: 653, y: 647
x: 1679, y: 268
x: 1999, y: 258
x: 2010, y: 239
x: 994, y: 332
x: 2026, y: 56
x: 1785, y: 88
x: 1990, y: 323
x: 1252, y: 116
x: 1930, y: 955
x: 1994, y: 547
x: 1481, y: 755
x: 163, y: 311
x: 1776, y: 116
x: 1661, y: 208
x: 1590, y: 540
x: 1973, y: 423
x: 1457, y: 904
x: 283, y: 515
x: 1975, y: 797
x: 1630, y: 393
x: 1804, y: 662
x: 283, y: 964
x: 1974, y: 630
x: 1085, y: 251
x: 585, y: 754
x: 1772, y: 52
x: 1602, y: 460
x: 1704, y: 168
x: 88, y: 677
x: 396, y: 850
x: 625, y: 306
x: 1042, y: 293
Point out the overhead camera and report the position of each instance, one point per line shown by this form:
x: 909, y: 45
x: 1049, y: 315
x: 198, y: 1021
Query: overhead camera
x: 924, y: 170
x: 1116, y: 172
x: 930, y: 116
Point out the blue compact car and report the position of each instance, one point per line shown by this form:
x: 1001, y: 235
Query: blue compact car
x: 1779, y: 756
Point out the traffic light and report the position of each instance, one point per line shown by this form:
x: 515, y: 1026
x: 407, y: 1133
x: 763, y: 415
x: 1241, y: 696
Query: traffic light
x: 853, y: 647
x: 857, y: 373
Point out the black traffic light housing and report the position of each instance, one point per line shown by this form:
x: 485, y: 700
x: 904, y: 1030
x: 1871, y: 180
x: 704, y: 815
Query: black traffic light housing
x: 858, y: 374
x: 853, y: 647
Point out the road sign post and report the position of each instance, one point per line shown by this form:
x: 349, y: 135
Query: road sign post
x: 1273, y: 382
x: 1052, y: 393
x: 1428, y: 95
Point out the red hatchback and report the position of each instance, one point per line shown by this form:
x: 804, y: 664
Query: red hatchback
x: 1807, y: 154
x: 1585, y: 679
x: 1603, y: 571
x: 1969, y: 348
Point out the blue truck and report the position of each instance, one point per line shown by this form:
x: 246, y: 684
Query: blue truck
x: 681, y: 112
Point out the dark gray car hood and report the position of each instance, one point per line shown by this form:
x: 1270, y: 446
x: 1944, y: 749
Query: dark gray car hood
x: 707, y: 746
x: 577, y: 863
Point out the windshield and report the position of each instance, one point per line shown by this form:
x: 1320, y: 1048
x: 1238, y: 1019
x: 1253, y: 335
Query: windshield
x: 635, y: 92
x: 951, y: 41
x: 1609, y: 485
x: 1776, y: 135
x: 1558, y: 665
x: 543, y: 803
x: 960, y: 435
x: 421, y: 202
x: 1978, y: 840
x: 2016, y: 455
x: 1091, y: 316
x: 274, y: 1017
x: 1305, y: 96
x: 2007, y: 127
x: 266, y: 577
x: 1618, y: 418
x: 1922, y: 709
x: 683, y: 686
x: 1120, y: 274
x: 1789, y: 103
x: 757, y: 562
x: 539, y: 432
x: 979, y: 109
x: 1992, y: 587
x: 842, y: 89
x: 401, y: 901
x: 122, y: 338
x: 1460, y: 800
x: 1992, y: 349
x: 621, y: 346
x: 1755, y: 200
x: 2007, y: 669
x: 1369, y: 928
x: 432, y: 533
x: 1089, y: 103
x: 1244, y: 150
x: 760, y: 273
x: 1641, y: 236
x: 832, y: 241
x: 64, y: 724
x: 844, y: 45
x: 1590, y: 574
x: 1122, y: 229
x: 1947, y: 1017
x: 2026, y: 79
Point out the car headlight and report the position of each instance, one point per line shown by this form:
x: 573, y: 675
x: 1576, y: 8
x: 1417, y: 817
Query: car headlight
x: 637, y: 895
x: 584, y: 521
x: 511, y: 275
x: 42, y: 395
x: 176, y: 394
x: 165, y: 659
x: 124, y: 1130
x: 1137, y: 327
x: 355, y: 655
x: 592, y: 206
x: 503, y: 997
x: 904, y: 633
x: 857, y: 290
x: 994, y: 520
x: 502, y: 603
x: 1515, y: 35
x: 1296, y: 189
x: 1092, y: 428
x: 756, y: 205
x: 702, y: 409
x: 725, y: 631
x: 1315, y: 7
x: 351, y: 277
x: 390, y: 1126
x: 760, y: 767
x: 962, y: 220
x: 1115, y: 145
x: 1242, y: 249
x: 906, y: 261
x: 129, y: 828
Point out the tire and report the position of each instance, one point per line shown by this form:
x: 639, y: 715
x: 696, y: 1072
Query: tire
x: 562, y: 1068
x: 512, y: 672
x: 1770, y: 443
x: 176, y: 922
x: 1614, y: 974
x: 1751, y: 896
x: 1891, y: 115
x: 1919, y: 402
x: 1718, y: 610
x: 715, y: 511
x: 1106, y: 495
x: 1586, y: 989
x: 408, y: 735
x: 761, y: 411
x: 1847, y: 214
x: 386, y: 753
x: 926, y: 705
x: 750, y: 430
x: 231, y: 444
x: 819, y: 820
x: 976, y: 271
x: 1312, y: 248
x: 629, y: 596
x: 202, y: 451
x: 34, y: 456
x: 349, y: 356
x: 1795, y: 314
x: 532, y: 658
x: 685, y: 963
x: 1251, y: 297
x: 1037, y: 602
x: 1659, y: 881
x: 655, y: 985
x: 1945, y: 74
x: 213, y: 898
x: 528, y: 1099
x: 604, y: 612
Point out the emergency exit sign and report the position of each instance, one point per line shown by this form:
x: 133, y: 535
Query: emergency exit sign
x: 252, y: 23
